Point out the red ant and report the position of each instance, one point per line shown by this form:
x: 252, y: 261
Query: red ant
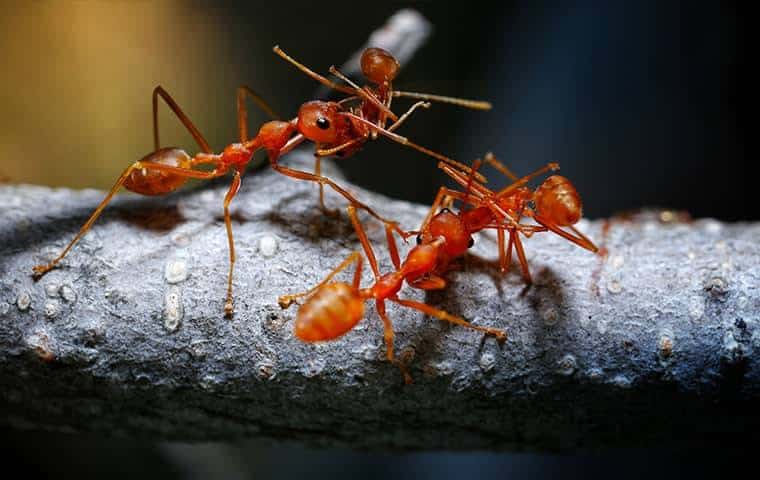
x: 367, y: 119
x: 553, y: 205
x: 332, y: 309
x: 324, y: 123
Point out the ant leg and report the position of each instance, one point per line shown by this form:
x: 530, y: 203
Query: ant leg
x: 521, y: 257
x: 433, y: 207
x: 243, y: 92
x: 486, y: 196
x: 492, y: 198
x: 357, y: 274
x: 159, y: 91
x: 350, y: 99
x: 406, y: 115
x: 503, y: 265
x: 463, y: 180
x: 429, y: 282
x: 462, y: 102
x: 326, y: 152
x: 581, y: 240
x: 440, y: 198
x: 549, y: 167
x: 468, y: 189
x: 510, y: 244
x: 234, y: 187
x: 40, y: 270
x: 301, y: 175
x: 392, y: 248
x: 388, y: 337
x: 588, y: 244
x: 287, y: 300
x: 448, y: 202
x: 447, y: 317
x: 382, y: 119
x: 406, y: 142
x: 319, y: 78
x: 495, y: 163
x: 318, y: 173
x: 359, y: 229
x: 294, y: 141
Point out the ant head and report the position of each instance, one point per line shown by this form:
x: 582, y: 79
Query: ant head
x: 322, y: 122
x: 452, y: 228
x: 379, y: 66
x: 558, y: 200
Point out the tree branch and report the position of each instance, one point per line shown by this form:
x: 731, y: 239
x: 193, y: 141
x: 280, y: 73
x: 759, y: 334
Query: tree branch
x: 657, y: 342
x: 402, y: 34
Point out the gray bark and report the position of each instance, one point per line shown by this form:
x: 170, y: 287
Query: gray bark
x: 656, y: 343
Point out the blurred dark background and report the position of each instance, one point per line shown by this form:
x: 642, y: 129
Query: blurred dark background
x: 61, y: 456
x: 637, y: 100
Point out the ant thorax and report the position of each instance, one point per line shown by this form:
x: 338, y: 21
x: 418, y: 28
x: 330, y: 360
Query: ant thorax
x: 476, y: 219
x: 516, y: 201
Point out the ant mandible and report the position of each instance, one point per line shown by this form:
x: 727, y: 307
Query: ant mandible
x: 166, y: 169
x: 333, y: 309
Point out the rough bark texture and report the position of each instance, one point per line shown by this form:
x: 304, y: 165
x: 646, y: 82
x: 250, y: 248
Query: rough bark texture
x: 656, y: 343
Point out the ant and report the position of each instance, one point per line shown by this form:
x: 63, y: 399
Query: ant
x: 553, y: 205
x: 368, y: 119
x: 324, y: 123
x: 333, y: 309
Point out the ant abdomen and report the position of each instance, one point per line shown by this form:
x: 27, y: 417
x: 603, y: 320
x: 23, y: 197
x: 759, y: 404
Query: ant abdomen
x: 332, y: 311
x: 558, y: 200
x: 155, y: 182
x: 379, y: 66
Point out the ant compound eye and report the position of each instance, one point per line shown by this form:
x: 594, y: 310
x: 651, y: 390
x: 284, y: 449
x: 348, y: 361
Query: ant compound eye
x: 471, y: 243
x: 323, y: 123
x: 419, y: 239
